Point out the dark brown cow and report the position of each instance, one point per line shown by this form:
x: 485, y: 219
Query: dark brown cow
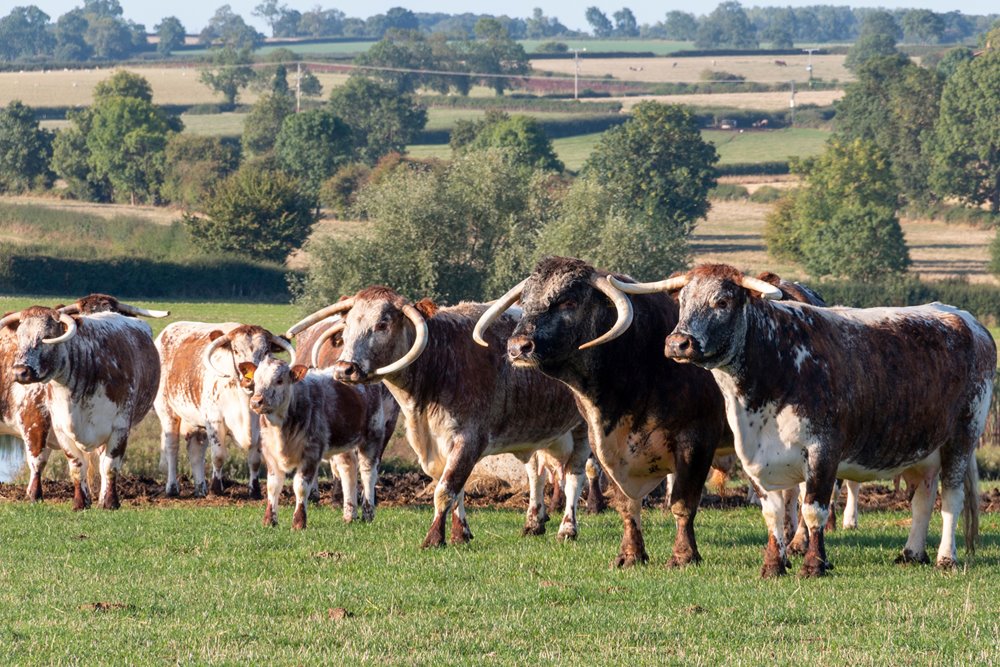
x: 305, y: 417
x: 100, y: 373
x: 817, y: 393
x: 460, y: 402
x: 202, y: 397
x: 647, y: 416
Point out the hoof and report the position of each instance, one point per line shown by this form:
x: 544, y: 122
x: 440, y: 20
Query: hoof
x: 255, y: 493
x: 34, y: 492
x: 946, y: 564
x: 299, y: 518
x: 814, y: 568
x: 772, y: 570
x: 567, y: 531
x: 461, y: 538
x: 201, y: 490
x: 216, y: 488
x: 533, y: 529
x: 797, y: 547
x: 433, y: 541
x: 683, y: 560
x: 172, y: 490
x: 111, y: 502
x: 910, y: 558
x: 367, y: 512
x: 629, y: 559
x: 270, y: 517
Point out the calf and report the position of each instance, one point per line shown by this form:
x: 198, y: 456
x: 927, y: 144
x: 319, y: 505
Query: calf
x: 100, y: 373
x: 816, y: 393
x: 202, y: 397
x: 460, y: 402
x: 306, y: 417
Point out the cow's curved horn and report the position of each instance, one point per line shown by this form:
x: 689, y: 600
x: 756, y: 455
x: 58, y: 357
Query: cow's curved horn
x: 419, y: 343
x: 129, y: 309
x: 66, y: 335
x: 622, y: 305
x: 10, y: 319
x: 667, y: 285
x: 320, y: 314
x: 330, y: 332
x: 206, y: 356
x: 767, y: 290
x: 283, y: 344
x: 71, y: 309
x: 494, y: 311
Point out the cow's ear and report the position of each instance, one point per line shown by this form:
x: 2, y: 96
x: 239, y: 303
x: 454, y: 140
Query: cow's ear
x: 298, y: 372
x: 426, y: 307
x: 247, y: 369
x: 215, y: 334
x: 770, y: 278
x: 275, y: 348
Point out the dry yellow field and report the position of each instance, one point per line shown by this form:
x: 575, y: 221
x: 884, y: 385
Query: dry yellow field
x: 171, y: 85
x: 678, y: 70
x: 757, y: 101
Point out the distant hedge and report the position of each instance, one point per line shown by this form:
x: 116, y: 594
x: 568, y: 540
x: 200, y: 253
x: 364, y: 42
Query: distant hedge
x: 144, y: 278
x: 753, y: 168
x: 518, y: 103
x: 564, y: 55
x: 983, y: 301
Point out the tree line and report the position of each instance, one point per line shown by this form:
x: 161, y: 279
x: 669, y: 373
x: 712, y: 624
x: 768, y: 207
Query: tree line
x: 99, y: 31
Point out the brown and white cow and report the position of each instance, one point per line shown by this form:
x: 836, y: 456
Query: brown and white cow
x: 647, y: 416
x: 307, y: 417
x: 202, y: 396
x: 24, y: 416
x: 817, y: 393
x: 460, y: 402
x: 100, y: 373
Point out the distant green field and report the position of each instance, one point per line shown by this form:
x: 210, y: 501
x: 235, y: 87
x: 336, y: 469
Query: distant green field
x: 657, y: 46
x: 766, y: 146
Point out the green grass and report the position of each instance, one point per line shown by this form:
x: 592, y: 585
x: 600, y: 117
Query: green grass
x: 221, y: 124
x: 656, y: 46
x: 766, y: 146
x: 212, y: 586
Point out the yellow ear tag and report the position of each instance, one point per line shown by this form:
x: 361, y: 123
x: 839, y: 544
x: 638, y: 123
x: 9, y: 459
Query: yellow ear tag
x: 248, y: 374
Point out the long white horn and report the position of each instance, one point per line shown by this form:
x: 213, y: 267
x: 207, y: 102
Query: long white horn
x: 419, y: 343
x: 494, y: 311
x: 330, y: 332
x: 767, y: 290
x: 283, y: 344
x: 71, y: 309
x: 129, y: 309
x: 667, y: 285
x: 622, y: 305
x: 206, y: 356
x: 10, y: 319
x: 69, y: 333
x: 321, y: 314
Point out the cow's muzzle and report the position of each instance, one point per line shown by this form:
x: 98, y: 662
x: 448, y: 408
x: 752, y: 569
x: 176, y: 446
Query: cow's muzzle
x: 24, y: 374
x: 349, y: 372
x: 682, y: 347
x: 257, y: 404
x: 521, y: 350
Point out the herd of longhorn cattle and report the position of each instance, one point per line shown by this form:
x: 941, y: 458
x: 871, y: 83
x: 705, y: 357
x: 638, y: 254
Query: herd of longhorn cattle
x: 572, y: 366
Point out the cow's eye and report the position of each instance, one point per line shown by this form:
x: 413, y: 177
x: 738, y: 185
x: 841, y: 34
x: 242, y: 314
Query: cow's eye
x: 721, y: 303
x: 382, y: 326
x: 568, y: 304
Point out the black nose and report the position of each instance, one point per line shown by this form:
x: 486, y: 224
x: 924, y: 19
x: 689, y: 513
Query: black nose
x: 348, y: 371
x: 520, y: 347
x: 256, y: 402
x: 23, y: 374
x: 682, y: 346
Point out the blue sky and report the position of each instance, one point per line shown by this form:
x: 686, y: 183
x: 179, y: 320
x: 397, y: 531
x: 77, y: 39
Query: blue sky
x: 194, y: 14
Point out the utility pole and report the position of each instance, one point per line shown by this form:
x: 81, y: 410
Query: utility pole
x: 298, y: 87
x: 809, y: 67
x: 791, y: 104
x: 576, y: 76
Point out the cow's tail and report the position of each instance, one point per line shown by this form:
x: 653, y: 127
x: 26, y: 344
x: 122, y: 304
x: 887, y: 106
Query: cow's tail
x: 970, y: 510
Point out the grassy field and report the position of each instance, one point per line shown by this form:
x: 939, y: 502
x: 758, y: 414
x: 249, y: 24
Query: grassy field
x: 212, y: 586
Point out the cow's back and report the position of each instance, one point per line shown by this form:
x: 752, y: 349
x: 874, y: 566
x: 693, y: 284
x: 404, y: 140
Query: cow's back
x: 183, y: 374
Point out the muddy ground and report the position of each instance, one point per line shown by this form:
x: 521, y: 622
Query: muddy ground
x: 397, y: 489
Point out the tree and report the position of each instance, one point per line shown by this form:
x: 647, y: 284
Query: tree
x: 880, y: 22
x: 254, y: 213
x: 193, y: 165
x: 625, y: 23
x: 123, y: 84
x: 270, y: 12
x: 726, y: 27
x: 71, y: 44
x: 966, y: 157
x: 410, y: 51
x: 232, y: 74
x: 953, y: 59
x: 311, y: 146
x: 25, y: 150
x: 24, y: 34
x: 70, y: 160
x: 923, y: 25
x: 430, y: 237
x: 842, y: 222
x: 381, y: 120
x: 521, y: 136
x: 600, y: 22
x: 540, y: 26
x: 681, y: 26
x: 171, y: 33
x: 868, y: 47
x: 494, y: 52
x: 262, y: 124
x: 894, y: 103
x: 230, y: 30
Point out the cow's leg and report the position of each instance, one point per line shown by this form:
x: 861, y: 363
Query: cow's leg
x: 851, y: 504
x: 815, y: 510
x: 170, y: 447
x: 558, y: 498
x: 275, y: 482
x: 799, y: 541
x: 347, y: 470
x: 534, y: 520
x: 633, y: 548
x: 253, y: 469
x: 596, y: 502
x: 831, y: 520
x: 304, y: 475
x: 77, y: 470
x: 668, y: 489
x: 573, y: 472
x: 36, y: 464
x: 692, y: 462
x: 461, y: 459
x: 924, y: 485
x: 215, y: 434
x: 772, y: 505
x: 196, y: 457
x: 460, y: 532
x: 111, y: 465
x: 369, y: 458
